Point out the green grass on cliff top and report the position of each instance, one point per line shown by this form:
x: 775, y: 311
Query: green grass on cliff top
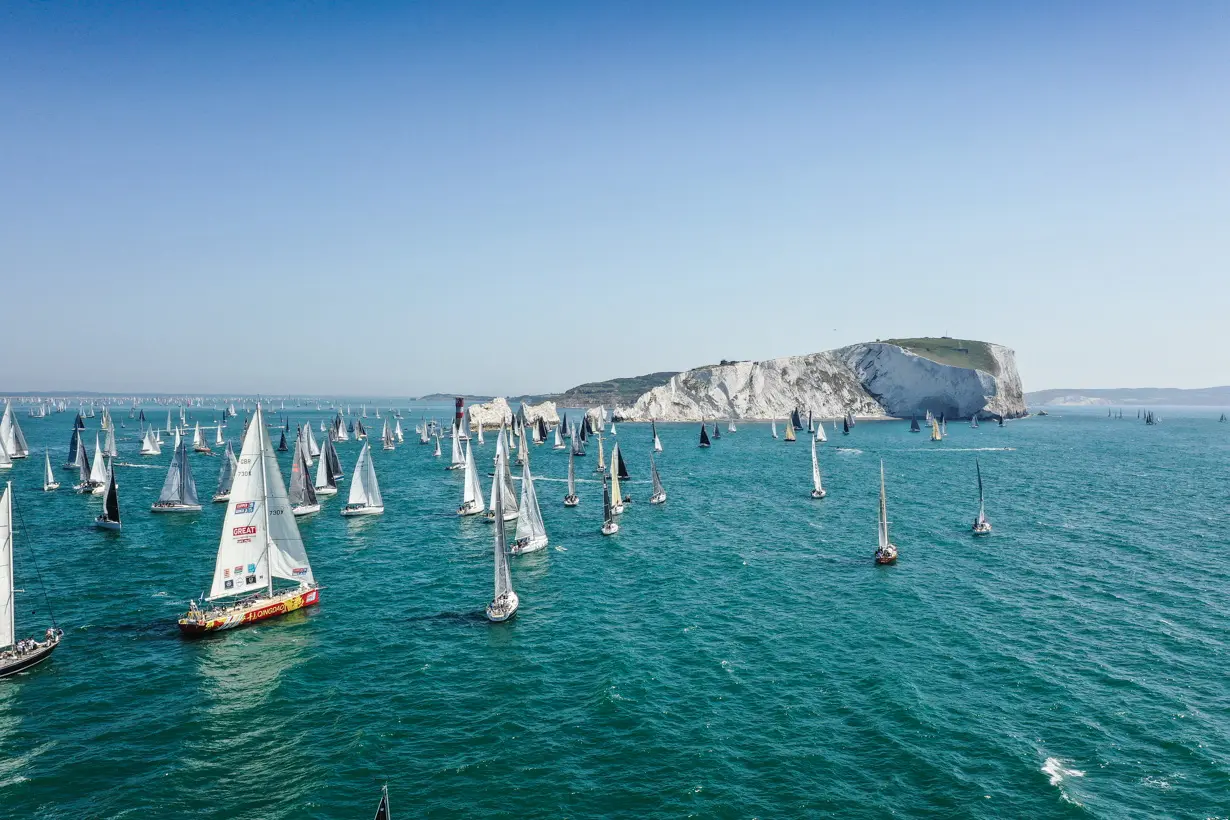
x: 954, y: 352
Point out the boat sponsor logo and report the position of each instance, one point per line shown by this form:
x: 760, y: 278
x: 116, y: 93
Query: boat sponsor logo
x: 228, y: 584
x: 250, y: 529
x: 251, y: 567
x: 299, y: 571
x: 239, y: 570
x: 245, y: 507
x: 226, y: 573
x: 249, y: 579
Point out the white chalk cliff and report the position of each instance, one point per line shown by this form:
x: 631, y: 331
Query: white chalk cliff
x: 873, y: 379
x: 492, y: 413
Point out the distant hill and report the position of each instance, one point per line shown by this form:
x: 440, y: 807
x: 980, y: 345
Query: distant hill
x: 448, y: 397
x: 1152, y: 396
x: 613, y: 391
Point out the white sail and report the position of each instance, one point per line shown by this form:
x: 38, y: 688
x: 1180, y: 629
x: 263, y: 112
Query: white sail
x: 572, y: 476
x: 773, y: 427
x: 503, y: 477
x: 815, y: 469
x: 480, y: 433
x: 109, y: 448
x: 529, y: 516
x: 179, y: 487
x: 149, y: 446
x: 559, y: 438
x: 302, y: 492
x: 313, y: 451
x: 820, y: 436
x: 168, y: 421
x: 260, y: 539
x: 48, y: 476
x: 437, y: 452
x: 617, y: 497
x: 364, y: 488
x: 601, y: 458
x: 657, y: 443
x: 658, y: 489
x: 397, y: 433
x: 473, y: 493
x: 458, y: 458
x: 5, y: 462
x: 10, y: 434
x: 218, y: 439
x: 883, y: 528
x: 98, y: 472
x: 8, y: 610
x: 305, y: 433
x: 503, y: 581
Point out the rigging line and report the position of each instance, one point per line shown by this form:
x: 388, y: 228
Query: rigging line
x: 38, y: 573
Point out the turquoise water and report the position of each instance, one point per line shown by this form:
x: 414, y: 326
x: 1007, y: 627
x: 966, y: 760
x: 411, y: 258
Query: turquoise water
x: 733, y: 653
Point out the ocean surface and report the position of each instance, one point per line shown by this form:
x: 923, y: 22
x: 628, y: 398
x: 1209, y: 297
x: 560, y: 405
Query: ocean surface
x: 733, y: 653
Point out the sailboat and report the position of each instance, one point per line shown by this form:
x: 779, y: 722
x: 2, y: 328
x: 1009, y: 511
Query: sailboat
x: 601, y: 468
x: 472, y: 495
x: 730, y: 425
x: 503, y: 477
x: 817, y: 489
x: 82, y: 463
x: 820, y: 436
x: 109, y: 519
x: 98, y: 472
x: 617, y: 498
x: 480, y: 433
x: 773, y: 427
x: 717, y: 434
x: 179, y: 490
x: 302, y: 495
x: 657, y: 443
x: 795, y: 421
x: 1223, y: 417
x: 559, y: 438
x: 531, y: 534
x: 659, y: 492
x: 973, y: 420
x: 459, y: 459
x: 6, y: 463
x: 388, y: 440
x: 49, y: 479
x: 397, y: 433
x: 382, y: 810
x: 982, y: 525
x: 10, y: 434
x: 282, y: 446
x: 845, y: 425
x: 886, y: 552
x: 328, y: 468
x: 617, y: 460
x: 226, y: 474
x: 71, y: 464
x: 259, y: 543
x: 504, y: 602
x: 571, y: 500
x: 936, y: 435
x: 437, y: 453
x: 219, y: 440
x: 198, y: 440
x: 704, y: 436
x: 16, y: 656
x: 365, y: 498
x: 914, y: 428
x: 789, y: 432
x: 149, y: 446
x: 109, y: 448
x: 609, y: 527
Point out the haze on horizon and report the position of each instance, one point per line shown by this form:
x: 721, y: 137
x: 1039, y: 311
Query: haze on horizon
x: 398, y: 199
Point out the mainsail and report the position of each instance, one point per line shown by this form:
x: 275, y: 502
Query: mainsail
x: 529, y: 517
x: 179, y: 488
x: 8, y: 609
x: 226, y: 473
x: 704, y: 436
x: 572, y: 475
x: 883, y: 523
x: 111, y: 499
x: 503, y: 581
x: 72, y: 451
x: 10, y: 434
x: 260, y: 539
x: 815, y: 469
x: 657, y: 444
x: 98, y: 473
x: 365, y: 490
x: 302, y: 491
x: 473, y: 493
x: 657, y: 482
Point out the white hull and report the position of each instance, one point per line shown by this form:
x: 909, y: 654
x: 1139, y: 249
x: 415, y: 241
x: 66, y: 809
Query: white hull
x: 103, y: 524
x: 175, y: 508
x: 982, y: 529
x: 571, y: 501
x: 610, y: 528
x: 99, y: 490
x: 455, y: 467
x: 617, y: 509
x: 326, y: 491
x: 530, y: 545
x: 508, y: 516
x: 221, y: 497
x: 660, y: 498
x: 818, y: 493
x: 506, y: 609
x: 365, y: 510
x: 469, y: 509
x: 55, y: 485
x: 305, y: 509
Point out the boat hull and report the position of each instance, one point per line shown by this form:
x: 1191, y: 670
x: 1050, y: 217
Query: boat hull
x: 222, y: 497
x: 571, y: 501
x: 610, y: 528
x: 305, y: 509
x: 353, y: 511
x: 260, y: 610
x: 660, y: 498
x: 530, y: 545
x: 469, y: 509
x: 818, y: 493
x: 49, y: 487
x: 982, y: 529
x: 498, y: 615
x: 326, y: 491
x: 175, y: 508
x: 103, y: 524
x: 20, y: 663
x: 886, y: 556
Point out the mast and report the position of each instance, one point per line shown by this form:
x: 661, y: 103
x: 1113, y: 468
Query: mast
x: 883, y: 510
x: 8, y: 613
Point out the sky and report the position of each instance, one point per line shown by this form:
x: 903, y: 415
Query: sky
x: 505, y: 198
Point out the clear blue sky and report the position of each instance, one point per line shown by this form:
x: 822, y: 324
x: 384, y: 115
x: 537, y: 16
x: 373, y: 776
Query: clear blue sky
x: 514, y: 197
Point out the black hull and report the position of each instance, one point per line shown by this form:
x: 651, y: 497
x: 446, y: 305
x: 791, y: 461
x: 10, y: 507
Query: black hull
x: 25, y: 662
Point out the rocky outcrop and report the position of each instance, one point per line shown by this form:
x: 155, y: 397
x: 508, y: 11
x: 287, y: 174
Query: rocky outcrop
x: 545, y: 411
x: 491, y: 414
x: 870, y: 380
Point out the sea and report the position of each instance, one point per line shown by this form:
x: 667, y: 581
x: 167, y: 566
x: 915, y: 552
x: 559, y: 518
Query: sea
x: 733, y: 653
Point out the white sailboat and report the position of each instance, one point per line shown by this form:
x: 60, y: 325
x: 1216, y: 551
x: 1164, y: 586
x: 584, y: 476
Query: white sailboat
x: 302, y: 492
x: 559, y: 438
x: 109, y: 519
x: 982, y: 525
x: 659, y: 492
x: 260, y: 543
x: 773, y: 427
x: 198, y: 440
x: 458, y: 461
x: 179, y: 490
x: 609, y: 527
x: 109, y: 448
x: 601, y: 468
x: 504, y: 602
x: 817, y: 489
x: 730, y: 426
x: 82, y: 464
x: 218, y: 439
x: 886, y: 552
x: 226, y: 474
x: 49, y: 478
x: 387, y: 439
x: 437, y: 453
x: 571, y: 500
x: 617, y: 498
x: 657, y: 443
x: 11, y: 437
x: 16, y: 656
x: 328, y: 470
x: 98, y: 472
x: 820, y: 436
x: 149, y: 446
x: 531, y: 534
x: 503, y: 477
x: 397, y: 433
x: 365, y: 498
x: 480, y: 433
x: 472, y: 495
x: 6, y: 463
x: 613, y: 427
